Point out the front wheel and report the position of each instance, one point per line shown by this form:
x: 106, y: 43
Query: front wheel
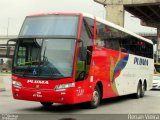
x: 46, y: 104
x: 96, y: 97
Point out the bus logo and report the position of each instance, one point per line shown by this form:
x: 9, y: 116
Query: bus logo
x: 37, y: 86
x: 43, y: 82
x: 140, y: 61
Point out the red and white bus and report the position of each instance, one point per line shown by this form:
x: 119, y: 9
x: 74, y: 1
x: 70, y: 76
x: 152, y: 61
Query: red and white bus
x: 71, y: 58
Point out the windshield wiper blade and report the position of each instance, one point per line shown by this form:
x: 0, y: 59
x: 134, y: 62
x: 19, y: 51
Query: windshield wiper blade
x: 27, y: 69
x: 45, y: 61
x: 49, y: 69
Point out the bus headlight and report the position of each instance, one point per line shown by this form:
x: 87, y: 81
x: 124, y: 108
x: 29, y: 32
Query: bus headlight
x: 16, y: 84
x: 64, y: 86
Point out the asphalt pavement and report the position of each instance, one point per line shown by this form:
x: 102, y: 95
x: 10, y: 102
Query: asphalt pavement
x: 112, y: 108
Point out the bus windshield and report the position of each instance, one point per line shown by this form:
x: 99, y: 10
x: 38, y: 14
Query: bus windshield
x: 44, y: 58
x: 49, y: 26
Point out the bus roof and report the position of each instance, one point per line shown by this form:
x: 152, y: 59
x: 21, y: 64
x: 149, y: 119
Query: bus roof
x: 99, y: 20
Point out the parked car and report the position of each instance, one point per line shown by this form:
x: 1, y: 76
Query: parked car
x: 156, y: 77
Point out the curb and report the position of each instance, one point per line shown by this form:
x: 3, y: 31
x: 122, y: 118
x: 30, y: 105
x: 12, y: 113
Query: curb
x: 2, y: 86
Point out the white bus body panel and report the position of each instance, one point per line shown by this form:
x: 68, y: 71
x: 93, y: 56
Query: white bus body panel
x: 129, y: 77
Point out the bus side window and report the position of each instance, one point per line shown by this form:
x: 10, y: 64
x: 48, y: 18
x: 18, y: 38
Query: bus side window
x: 108, y: 44
x: 116, y: 44
x: 107, y: 37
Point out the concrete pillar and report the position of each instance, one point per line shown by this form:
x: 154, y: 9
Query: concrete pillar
x: 115, y: 14
x: 2, y: 86
x: 158, y: 43
x: 127, y: 2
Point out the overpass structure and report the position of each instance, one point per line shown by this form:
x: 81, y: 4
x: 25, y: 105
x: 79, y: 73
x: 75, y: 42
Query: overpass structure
x: 3, y: 51
x: 3, y: 46
x: 146, y: 10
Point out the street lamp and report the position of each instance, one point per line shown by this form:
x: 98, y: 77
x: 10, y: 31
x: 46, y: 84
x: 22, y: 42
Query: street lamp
x: 8, y: 26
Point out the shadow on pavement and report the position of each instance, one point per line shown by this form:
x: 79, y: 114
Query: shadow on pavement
x: 58, y: 108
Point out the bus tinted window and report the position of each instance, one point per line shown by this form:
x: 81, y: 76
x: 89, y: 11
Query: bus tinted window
x: 52, y: 25
x: 137, y: 47
x: 115, y: 39
x: 108, y: 37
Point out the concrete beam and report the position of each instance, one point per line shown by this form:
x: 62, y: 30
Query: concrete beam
x: 8, y: 37
x: 144, y: 23
x: 115, y: 10
x: 127, y: 2
x: 3, y: 52
x: 137, y: 2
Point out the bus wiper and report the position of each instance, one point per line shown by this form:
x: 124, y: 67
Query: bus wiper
x: 25, y: 71
x: 45, y: 59
x: 46, y: 63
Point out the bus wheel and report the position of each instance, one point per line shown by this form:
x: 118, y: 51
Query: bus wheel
x: 139, y: 91
x: 95, y: 98
x: 143, y: 90
x: 46, y: 104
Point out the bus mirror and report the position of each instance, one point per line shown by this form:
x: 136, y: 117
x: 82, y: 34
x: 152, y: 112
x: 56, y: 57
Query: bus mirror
x: 82, y: 51
x: 10, y: 43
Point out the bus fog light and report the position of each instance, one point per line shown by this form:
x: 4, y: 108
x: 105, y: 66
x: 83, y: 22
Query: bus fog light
x: 16, y: 84
x: 62, y: 98
x: 64, y: 86
x: 16, y: 94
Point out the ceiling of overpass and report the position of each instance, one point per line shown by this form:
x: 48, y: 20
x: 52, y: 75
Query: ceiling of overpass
x: 147, y: 13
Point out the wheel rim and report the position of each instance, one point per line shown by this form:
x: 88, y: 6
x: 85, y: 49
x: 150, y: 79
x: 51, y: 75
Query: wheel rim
x: 95, y: 98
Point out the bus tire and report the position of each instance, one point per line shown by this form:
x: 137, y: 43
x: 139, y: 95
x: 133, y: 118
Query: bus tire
x: 143, y: 90
x: 96, y: 97
x: 137, y: 95
x: 47, y: 104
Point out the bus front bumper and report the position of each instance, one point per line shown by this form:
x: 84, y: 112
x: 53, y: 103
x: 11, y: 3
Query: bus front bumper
x: 63, y: 96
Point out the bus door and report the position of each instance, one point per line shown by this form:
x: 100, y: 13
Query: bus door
x: 84, y: 60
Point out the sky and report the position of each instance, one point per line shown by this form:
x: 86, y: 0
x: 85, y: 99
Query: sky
x: 13, y: 12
